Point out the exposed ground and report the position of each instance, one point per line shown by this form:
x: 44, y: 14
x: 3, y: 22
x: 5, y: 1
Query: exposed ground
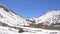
x: 52, y: 27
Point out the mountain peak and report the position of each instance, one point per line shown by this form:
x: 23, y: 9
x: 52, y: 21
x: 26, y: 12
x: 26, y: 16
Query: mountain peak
x: 4, y: 7
x: 51, y: 17
x: 9, y: 17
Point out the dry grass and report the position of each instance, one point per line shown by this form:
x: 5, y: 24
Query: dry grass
x: 44, y: 26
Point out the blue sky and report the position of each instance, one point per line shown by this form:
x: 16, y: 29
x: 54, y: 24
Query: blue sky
x: 32, y: 8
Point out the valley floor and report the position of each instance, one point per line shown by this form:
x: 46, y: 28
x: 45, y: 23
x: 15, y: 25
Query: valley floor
x: 27, y: 30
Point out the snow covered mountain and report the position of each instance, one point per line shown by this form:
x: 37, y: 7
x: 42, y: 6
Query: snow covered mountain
x: 12, y: 23
x: 9, y: 17
x: 51, y: 17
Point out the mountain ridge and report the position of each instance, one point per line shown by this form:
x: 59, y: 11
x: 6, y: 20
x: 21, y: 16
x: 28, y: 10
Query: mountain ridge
x: 11, y: 23
x: 6, y: 13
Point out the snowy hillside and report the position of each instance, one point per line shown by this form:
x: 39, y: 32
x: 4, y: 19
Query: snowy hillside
x: 51, y: 17
x: 12, y: 23
x: 28, y: 30
x: 11, y: 18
